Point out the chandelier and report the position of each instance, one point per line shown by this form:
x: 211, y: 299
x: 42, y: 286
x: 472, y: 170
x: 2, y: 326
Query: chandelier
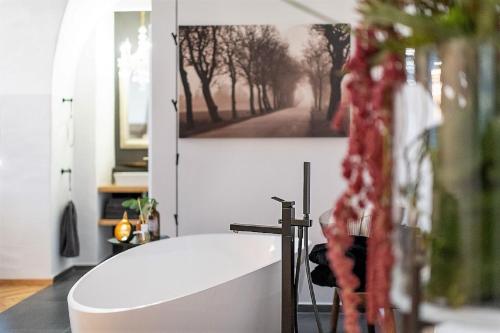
x: 136, y: 66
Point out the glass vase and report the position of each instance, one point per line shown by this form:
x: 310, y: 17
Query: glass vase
x: 455, y: 217
x: 464, y: 244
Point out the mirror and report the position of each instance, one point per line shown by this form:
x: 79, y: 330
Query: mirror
x: 133, y: 77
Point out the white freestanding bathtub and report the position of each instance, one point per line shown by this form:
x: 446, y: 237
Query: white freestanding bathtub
x: 204, y: 283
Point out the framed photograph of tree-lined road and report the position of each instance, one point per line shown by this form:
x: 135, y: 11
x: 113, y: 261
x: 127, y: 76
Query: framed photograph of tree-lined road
x: 240, y: 81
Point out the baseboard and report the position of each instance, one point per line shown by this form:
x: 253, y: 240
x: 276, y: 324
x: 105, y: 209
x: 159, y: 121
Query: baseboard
x: 25, y: 282
x: 69, y: 270
x: 310, y: 308
x: 44, y: 282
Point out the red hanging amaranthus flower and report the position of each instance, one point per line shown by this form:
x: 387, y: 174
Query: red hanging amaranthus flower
x: 367, y: 169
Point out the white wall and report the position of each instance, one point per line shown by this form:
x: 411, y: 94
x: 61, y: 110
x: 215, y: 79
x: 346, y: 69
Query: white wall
x: 94, y: 155
x: 80, y: 19
x: 29, y: 212
x: 90, y: 81
x: 38, y: 69
x: 28, y: 32
x: 84, y: 184
x: 104, y: 158
x: 94, y: 139
x: 231, y: 180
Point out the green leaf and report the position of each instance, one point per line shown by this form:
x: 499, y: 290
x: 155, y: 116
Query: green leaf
x: 130, y: 204
x: 462, y: 18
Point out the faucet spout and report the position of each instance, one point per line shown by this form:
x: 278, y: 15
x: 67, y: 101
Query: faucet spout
x: 264, y: 229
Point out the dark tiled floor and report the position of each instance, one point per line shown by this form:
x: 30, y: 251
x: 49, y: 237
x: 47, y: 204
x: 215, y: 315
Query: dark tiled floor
x: 44, y: 312
x: 47, y: 312
x: 307, y: 323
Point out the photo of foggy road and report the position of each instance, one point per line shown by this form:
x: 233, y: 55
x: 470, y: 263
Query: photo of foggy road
x: 261, y: 80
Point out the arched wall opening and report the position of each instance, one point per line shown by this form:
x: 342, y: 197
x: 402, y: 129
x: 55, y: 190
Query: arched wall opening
x: 79, y: 23
x: 84, y: 71
x: 40, y: 69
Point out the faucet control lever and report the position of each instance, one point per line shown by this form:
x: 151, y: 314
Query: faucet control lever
x: 278, y: 199
x: 284, y: 203
x: 298, y: 223
x: 302, y: 223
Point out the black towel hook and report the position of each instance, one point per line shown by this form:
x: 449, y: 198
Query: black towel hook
x: 68, y: 171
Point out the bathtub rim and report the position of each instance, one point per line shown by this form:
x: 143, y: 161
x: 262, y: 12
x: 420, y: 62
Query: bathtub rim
x: 76, y: 306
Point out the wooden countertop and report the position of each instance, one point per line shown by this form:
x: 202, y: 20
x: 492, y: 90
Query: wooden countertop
x: 122, y: 189
x: 113, y: 222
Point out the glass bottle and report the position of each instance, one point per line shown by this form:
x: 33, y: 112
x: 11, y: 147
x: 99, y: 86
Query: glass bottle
x: 154, y: 224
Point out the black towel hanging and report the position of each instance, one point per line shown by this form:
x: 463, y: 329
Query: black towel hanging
x: 69, y: 245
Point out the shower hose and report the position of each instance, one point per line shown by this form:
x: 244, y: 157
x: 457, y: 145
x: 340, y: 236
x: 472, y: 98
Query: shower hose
x: 303, y: 235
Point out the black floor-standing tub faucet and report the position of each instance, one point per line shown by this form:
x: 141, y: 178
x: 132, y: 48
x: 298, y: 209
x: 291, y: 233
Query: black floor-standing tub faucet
x: 289, y: 278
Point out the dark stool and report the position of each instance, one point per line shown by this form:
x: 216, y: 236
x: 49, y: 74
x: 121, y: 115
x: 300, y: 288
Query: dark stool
x: 119, y: 247
x: 323, y: 276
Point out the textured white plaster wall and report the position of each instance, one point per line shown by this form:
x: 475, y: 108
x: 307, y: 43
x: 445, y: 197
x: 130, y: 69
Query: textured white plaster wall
x: 231, y: 180
x: 29, y: 32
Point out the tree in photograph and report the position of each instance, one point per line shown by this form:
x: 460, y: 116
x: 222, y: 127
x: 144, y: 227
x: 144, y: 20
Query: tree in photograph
x: 292, y: 75
x: 338, y: 37
x: 259, y: 97
x: 317, y: 65
x: 287, y: 82
x: 245, y: 57
x: 277, y: 74
x: 284, y: 76
x: 183, y: 61
x: 204, y: 54
x: 229, y: 47
x: 268, y: 46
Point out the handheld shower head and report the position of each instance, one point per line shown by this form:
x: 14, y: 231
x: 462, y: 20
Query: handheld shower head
x: 306, y: 207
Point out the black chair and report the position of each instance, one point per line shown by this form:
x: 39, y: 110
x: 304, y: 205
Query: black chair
x: 323, y: 276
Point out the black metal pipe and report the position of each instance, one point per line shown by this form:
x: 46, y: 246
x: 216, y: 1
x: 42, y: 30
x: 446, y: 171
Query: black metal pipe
x: 309, y: 282
x: 289, y: 273
x: 306, y: 208
x: 287, y: 269
x: 297, y: 275
x: 264, y: 229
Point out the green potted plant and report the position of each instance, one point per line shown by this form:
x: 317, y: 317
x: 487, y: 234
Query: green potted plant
x: 149, y: 218
x: 461, y: 37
